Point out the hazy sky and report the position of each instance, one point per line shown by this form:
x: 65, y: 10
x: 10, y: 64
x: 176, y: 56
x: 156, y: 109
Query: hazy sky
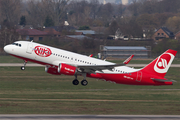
x: 107, y: 0
x: 101, y: 1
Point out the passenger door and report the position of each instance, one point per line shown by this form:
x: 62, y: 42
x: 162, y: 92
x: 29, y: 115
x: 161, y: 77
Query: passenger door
x: 29, y: 48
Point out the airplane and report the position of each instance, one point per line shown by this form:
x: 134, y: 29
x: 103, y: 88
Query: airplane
x: 58, y: 61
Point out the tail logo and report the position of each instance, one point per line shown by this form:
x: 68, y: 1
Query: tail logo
x: 163, y: 63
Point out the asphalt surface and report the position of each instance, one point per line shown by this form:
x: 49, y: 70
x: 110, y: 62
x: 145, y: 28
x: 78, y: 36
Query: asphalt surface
x: 35, y: 65
x: 89, y: 117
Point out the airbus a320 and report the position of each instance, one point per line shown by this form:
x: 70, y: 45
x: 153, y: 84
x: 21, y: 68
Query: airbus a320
x: 58, y: 61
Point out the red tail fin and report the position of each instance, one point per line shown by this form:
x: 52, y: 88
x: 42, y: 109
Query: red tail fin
x: 161, y: 64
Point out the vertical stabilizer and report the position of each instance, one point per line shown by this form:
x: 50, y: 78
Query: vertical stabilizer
x: 161, y: 64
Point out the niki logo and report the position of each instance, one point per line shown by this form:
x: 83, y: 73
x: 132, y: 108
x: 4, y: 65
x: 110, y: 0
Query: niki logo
x: 42, y: 51
x: 163, y: 63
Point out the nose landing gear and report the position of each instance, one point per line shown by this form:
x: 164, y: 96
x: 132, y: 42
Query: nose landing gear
x: 23, y: 67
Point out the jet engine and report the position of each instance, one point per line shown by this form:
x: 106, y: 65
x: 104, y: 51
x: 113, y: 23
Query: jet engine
x: 52, y: 70
x: 61, y: 69
x: 66, y: 69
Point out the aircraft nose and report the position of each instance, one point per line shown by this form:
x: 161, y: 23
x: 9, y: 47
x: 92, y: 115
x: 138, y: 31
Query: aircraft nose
x: 6, y: 48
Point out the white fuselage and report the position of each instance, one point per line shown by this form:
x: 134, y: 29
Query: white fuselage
x: 26, y: 49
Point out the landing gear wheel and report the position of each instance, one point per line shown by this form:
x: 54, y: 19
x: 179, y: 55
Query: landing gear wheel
x: 84, y: 82
x: 22, y: 68
x: 75, y: 82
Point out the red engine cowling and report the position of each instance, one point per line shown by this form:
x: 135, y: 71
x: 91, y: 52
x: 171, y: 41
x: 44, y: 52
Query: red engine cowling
x: 66, y: 69
x: 61, y: 69
x: 52, y: 70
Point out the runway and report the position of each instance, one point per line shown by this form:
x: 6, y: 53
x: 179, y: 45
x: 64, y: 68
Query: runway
x: 38, y: 65
x: 89, y: 117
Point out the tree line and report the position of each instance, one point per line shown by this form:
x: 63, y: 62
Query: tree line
x: 145, y: 13
x: 131, y: 19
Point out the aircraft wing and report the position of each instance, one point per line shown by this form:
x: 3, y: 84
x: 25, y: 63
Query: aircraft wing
x: 93, y: 68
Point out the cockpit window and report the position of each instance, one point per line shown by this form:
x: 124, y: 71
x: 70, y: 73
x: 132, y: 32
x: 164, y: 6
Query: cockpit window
x: 17, y: 44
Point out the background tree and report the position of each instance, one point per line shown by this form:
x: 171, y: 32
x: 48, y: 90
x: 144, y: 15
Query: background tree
x: 48, y: 22
x: 95, y: 7
x: 173, y: 23
x: 113, y: 28
x: 39, y: 10
x: 147, y: 21
x: 84, y: 28
x: 105, y: 13
x: 10, y: 10
x: 22, y: 20
x: 8, y: 34
x: 134, y: 7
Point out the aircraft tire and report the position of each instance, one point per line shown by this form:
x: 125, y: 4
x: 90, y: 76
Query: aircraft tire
x: 22, y: 68
x: 84, y: 82
x: 75, y: 82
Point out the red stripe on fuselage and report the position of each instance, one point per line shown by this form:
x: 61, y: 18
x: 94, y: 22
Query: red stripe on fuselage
x: 129, y: 79
x: 35, y: 61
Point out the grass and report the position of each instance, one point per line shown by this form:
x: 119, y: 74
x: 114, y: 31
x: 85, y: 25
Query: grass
x: 10, y: 59
x: 35, y: 92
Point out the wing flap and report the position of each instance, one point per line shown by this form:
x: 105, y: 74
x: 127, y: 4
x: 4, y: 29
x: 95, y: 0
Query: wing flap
x: 94, y: 68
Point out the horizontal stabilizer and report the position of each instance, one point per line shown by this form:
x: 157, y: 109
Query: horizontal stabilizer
x: 162, y: 80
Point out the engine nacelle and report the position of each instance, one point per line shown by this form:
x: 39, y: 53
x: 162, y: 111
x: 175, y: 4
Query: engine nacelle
x: 66, y: 69
x: 52, y: 70
x: 61, y: 69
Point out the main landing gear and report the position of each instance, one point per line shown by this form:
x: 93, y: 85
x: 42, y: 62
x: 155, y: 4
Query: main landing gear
x: 23, y: 67
x: 84, y: 82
